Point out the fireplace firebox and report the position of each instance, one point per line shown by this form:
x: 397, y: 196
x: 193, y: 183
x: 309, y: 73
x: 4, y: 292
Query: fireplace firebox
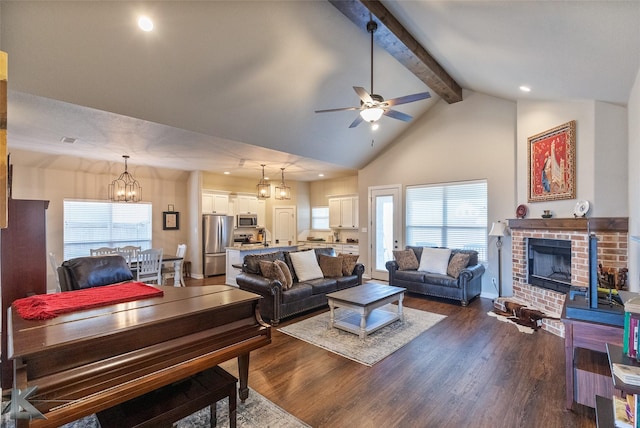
x: 549, y: 263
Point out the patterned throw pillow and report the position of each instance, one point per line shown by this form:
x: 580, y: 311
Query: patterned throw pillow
x: 288, y: 279
x: 331, y: 266
x: 348, y: 263
x: 271, y: 270
x: 406, y: 259
x: 458, y: 262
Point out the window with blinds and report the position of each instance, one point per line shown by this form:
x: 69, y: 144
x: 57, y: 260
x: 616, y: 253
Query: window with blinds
x: 319, y: 218
x: 95, y: 224
x: 451, y: 215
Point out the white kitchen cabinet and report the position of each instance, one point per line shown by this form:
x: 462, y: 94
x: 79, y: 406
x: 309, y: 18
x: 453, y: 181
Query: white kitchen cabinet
x: 262, y: 213
x: 343, y: 212
x: 246, y: 204
x: 349, y: 249
x: 215, y: 202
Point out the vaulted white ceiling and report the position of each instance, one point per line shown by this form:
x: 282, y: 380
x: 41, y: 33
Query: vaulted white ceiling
x: 228, y: 85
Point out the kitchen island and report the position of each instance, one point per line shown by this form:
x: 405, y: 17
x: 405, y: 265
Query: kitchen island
x: 235, y: 257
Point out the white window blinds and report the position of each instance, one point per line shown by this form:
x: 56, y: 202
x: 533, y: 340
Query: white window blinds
x: 94, y: 224
x: 319, y: 218
x: 452, y: 215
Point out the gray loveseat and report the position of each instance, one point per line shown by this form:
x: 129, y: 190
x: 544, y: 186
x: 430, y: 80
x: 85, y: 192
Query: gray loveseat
x: 465, y: 287
x: 278, y: 303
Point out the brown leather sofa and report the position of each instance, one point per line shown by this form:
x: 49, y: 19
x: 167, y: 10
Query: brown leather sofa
x: 277, y: 303
x: 94, y: 271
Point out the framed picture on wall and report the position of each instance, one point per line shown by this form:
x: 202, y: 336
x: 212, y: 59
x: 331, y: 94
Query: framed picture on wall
x: 551, y: 166
x: 170, y: 220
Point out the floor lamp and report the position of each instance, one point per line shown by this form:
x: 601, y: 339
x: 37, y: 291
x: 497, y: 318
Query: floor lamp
x: 498, y: 230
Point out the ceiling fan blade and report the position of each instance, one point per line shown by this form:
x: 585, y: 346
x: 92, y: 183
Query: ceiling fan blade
x: 356, y: 122
x: 408, y: 99
x: 364, y: 95
x: 338, y: 109
x: 397, y: 115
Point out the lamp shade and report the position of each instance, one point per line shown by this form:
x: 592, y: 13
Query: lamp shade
x: 371, y: 114
x: 498, y: 229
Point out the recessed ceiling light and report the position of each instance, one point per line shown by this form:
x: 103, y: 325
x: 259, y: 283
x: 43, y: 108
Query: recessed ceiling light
x: 524, y: 88
x: 226, y: 173
x: 69, y: 140
x: 321, y: 175
x: 145, y: 23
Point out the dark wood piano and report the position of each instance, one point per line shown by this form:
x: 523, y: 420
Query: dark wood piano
x: 87, y: 361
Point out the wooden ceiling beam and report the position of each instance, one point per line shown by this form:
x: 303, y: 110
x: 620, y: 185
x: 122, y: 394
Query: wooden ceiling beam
x: 396, y: 40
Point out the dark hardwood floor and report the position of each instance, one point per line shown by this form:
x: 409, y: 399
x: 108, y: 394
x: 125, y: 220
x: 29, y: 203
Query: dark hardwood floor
x: 470, y: 370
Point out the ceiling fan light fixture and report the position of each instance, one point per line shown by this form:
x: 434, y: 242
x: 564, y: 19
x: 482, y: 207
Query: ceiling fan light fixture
x: 263, y: 187
x: 372, y: 114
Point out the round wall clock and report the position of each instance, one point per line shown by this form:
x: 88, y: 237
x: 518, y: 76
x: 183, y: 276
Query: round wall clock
x: 581, y: 209
x: 521, y: 211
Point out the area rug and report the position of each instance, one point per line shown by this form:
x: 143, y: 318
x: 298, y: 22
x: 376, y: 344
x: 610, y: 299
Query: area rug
x: 374, y: 347
x: 255, y: 412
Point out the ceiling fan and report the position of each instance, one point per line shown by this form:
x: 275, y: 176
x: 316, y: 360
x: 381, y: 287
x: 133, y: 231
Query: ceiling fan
x: 373, y: 106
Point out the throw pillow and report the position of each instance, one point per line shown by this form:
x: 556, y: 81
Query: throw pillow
x: 348, y: 263
x: 458, y: 262
x: 331, y: 266
x: 406, y: 259
x: 288, y: 279
x: 306, y: 265
x: 271, y: 270
x: 435, y: 260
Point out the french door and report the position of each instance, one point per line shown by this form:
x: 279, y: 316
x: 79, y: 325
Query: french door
x: 385, y: 234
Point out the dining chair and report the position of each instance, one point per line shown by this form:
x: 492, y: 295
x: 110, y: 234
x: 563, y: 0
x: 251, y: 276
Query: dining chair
x: 130, y: 254
x: 150, y: 266
x: 54, y: 266
x: 103, y: 251
x: 170, y: 271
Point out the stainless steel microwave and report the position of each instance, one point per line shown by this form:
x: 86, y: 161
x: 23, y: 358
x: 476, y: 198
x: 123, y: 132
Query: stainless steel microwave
x: 247, y: 220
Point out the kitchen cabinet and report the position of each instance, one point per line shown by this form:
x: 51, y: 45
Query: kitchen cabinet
x: 262, y: 213
x: 343, y: 212
x: 215, y: 202
x: 246, y: 204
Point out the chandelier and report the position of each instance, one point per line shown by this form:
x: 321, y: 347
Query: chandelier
x: 263, y: 187
x: 282, y: 190
x: 125, y: 188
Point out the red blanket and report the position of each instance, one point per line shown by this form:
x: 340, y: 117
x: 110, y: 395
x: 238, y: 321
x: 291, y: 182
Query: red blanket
x: 47, y: 306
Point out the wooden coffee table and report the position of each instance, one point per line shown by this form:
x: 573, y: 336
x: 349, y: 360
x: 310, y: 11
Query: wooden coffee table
x: 365, y: 300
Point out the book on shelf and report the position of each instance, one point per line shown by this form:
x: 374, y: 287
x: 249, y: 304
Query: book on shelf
x: 630, y: 334
x: 621, y: 413
x: 627, y: 373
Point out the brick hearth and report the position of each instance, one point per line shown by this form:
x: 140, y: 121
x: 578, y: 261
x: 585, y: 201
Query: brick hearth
x: 612, y: 234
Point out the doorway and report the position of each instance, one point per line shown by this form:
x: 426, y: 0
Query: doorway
x: 385, y: 234
x: 284, y: 225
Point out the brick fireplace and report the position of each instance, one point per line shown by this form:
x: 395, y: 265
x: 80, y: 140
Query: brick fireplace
x: 612, y: 234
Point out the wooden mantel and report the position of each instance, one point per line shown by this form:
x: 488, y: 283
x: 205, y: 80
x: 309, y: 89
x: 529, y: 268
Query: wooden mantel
x: 593, y: 224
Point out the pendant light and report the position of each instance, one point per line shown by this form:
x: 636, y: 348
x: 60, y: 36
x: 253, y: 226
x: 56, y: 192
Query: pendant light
x: 125, y: 188
x: 283, y: 192
x: 263, y: 187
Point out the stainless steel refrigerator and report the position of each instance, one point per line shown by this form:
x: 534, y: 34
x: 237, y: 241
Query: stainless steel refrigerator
x: 217, y: 235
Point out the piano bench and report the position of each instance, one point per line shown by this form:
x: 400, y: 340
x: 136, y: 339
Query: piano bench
x: 169, y: 404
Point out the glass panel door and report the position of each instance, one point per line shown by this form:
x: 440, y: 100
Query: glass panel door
x: 385, y: 228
